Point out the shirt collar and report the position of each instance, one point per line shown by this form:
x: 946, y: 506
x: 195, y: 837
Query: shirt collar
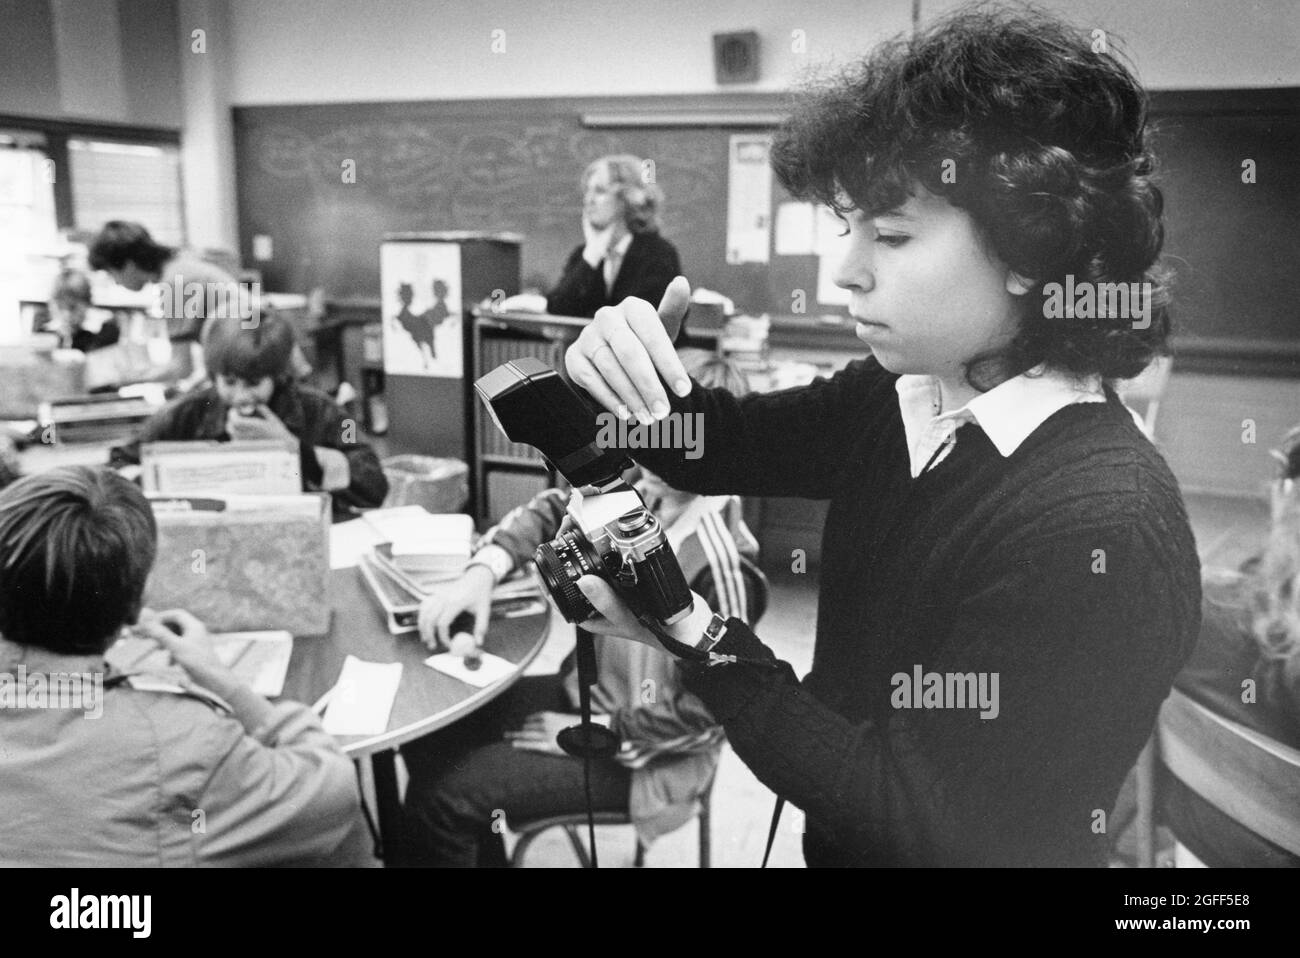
x: 1008, y: 413
x: 620, y: 248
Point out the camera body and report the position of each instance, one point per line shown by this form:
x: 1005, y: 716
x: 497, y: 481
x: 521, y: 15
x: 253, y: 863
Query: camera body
x: 613, y: 535
x: 608, y: 531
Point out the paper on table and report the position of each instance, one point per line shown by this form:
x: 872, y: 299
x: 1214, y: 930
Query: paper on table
x: 259, y: 658
x: 349, y: 541
x: 407, y: 527
x: 493, y: 668
x: 363, y: 697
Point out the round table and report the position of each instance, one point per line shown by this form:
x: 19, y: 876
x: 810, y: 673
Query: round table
x: 426, y: 700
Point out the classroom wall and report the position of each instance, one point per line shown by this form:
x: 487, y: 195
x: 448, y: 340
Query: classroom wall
x: 297, y: 51
x: 108, y: 61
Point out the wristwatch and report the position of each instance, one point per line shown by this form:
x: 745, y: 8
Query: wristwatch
x: 713, y: 633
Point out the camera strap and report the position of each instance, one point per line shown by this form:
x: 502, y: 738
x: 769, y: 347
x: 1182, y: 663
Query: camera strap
x: 684, y: 651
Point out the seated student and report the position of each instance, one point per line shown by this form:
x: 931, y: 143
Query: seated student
x: 255, y: 397
x: 623, y: 253
x: 128, y: 253
x: 195, y: 769
x: 74, y: 320
x: 1250, y: 630
x: 504, y: 756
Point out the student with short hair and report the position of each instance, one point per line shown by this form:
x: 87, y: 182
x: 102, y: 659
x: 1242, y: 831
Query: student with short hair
x: 188, y: 766
x: 255, y: 396
x: 128, y: 253
x: 73, y: 317
x: 504, y: 757
x: 1008, y: 579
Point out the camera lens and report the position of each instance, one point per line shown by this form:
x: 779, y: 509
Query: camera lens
x: 561, y: 563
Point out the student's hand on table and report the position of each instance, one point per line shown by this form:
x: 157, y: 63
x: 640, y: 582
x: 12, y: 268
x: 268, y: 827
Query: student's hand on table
x: 262, y: 425
x: 617, y: 620
x: 620, y: 355
x: 187, y: 641
x: 471, y: 593
x: 540, y: 731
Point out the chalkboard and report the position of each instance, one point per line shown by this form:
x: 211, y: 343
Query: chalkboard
x: 1232, y: 228
x: 514, y: 165
x: 485, y: 165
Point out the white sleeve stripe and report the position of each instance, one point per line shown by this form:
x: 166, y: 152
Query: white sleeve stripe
x: 720, y: 549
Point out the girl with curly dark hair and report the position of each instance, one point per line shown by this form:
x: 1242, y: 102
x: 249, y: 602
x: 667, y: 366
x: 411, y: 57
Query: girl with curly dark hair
x: 1009, y: 582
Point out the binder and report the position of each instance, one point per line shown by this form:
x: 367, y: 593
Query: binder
x: 244, y: 563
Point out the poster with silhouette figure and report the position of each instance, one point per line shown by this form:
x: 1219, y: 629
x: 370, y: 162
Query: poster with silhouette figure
x: 421, y: 308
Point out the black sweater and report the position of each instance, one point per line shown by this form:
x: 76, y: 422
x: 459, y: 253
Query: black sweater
x: 648, y: 267
x: 984, y: 564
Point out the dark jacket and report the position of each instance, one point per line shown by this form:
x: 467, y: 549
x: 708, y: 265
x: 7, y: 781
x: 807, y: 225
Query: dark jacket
x: 310, y: 415
x: 648, y: 267
x: 983, y: 565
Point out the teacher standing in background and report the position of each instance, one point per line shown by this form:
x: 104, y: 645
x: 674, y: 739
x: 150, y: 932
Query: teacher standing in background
x: 623, y: 255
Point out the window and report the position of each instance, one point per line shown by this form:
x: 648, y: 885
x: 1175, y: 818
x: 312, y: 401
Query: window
x: 27, y: 214
x: 127, y: 181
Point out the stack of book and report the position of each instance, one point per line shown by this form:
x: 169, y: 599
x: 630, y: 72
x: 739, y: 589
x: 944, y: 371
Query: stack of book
x: 416, y: 552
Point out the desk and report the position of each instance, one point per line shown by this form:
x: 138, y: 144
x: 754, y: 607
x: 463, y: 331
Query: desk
x: 42, y: 457
x: 427, y: 700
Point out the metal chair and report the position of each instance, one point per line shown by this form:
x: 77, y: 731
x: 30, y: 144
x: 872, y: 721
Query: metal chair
x: 757, y: 591
x: 574, y: 822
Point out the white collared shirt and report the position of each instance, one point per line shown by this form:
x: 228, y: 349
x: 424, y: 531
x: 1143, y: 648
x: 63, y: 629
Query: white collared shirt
x: 614, y: 260
x: 1008, y: 413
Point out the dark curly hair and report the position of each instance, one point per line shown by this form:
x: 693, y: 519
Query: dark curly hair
x: 1046, y: 141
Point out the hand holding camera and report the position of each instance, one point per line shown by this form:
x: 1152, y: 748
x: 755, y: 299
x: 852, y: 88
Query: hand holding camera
x: 620, y: 355
x: 617, y: 620
x: 607, y: 532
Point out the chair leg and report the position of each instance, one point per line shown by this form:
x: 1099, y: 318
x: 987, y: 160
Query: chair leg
x: 1145, y: 823
x: 638, y: 860
x: 705, y: 832
x: 579, y: 847
x: 521, y: 849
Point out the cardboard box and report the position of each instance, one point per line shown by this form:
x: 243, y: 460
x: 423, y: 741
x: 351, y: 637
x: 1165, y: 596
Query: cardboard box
x: 262, y: 467
x: 244, y: 563
x: 30, y: 375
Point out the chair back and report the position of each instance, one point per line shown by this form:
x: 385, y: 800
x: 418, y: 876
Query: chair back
x: 1248, y: 776
x: 757, y: 590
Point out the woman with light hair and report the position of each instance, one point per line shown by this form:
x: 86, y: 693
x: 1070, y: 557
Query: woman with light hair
x: 1250, y: 633
x: 623, y: 254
